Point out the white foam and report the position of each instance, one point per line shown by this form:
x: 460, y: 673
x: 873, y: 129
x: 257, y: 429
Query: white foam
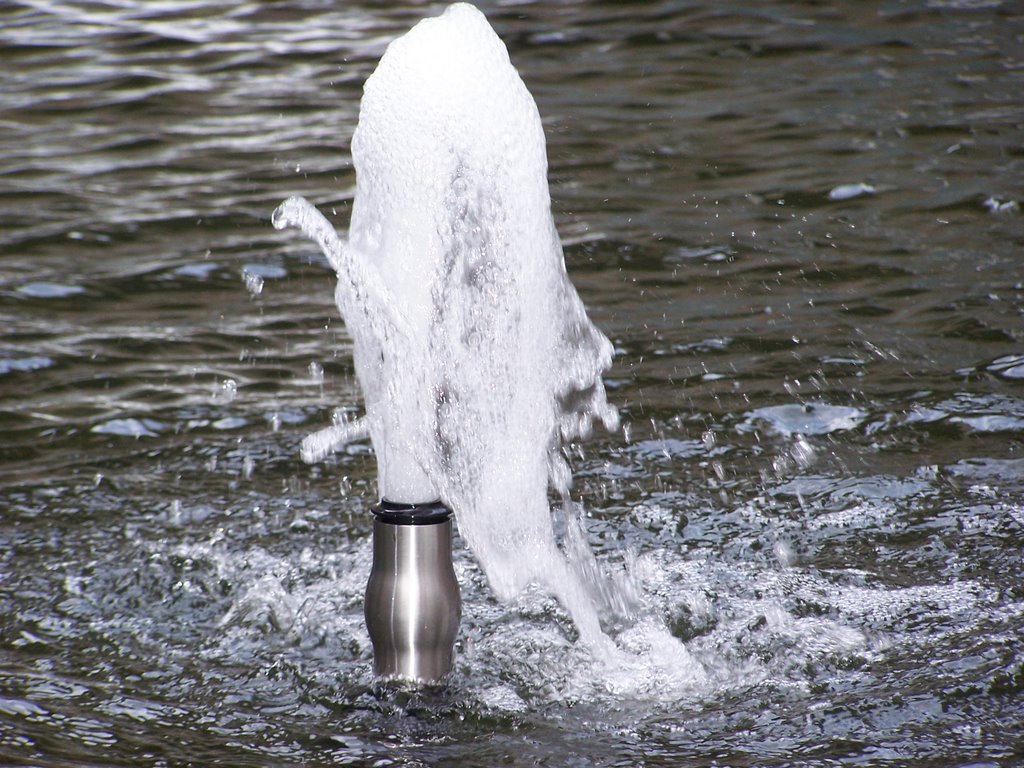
x: 474, y: 352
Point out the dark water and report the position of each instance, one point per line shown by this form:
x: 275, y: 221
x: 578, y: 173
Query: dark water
x: 820, y: 490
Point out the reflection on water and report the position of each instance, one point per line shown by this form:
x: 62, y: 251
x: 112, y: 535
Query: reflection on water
x: 799, y: 225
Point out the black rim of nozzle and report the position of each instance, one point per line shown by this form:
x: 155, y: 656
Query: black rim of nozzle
x: 396, y: 513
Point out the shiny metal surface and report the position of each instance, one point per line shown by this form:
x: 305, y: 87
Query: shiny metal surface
x: 412, y: 602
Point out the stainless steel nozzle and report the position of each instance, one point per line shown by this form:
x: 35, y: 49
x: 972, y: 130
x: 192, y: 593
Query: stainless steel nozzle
x: 412, y: 602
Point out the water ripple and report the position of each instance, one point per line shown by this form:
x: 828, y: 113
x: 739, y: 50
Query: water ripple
x: 817, y: 493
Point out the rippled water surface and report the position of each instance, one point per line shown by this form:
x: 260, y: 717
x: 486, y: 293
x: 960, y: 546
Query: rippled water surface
x: 800, y: 225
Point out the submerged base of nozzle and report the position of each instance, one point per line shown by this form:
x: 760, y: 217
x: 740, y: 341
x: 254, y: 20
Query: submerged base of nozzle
x: 412, y: 602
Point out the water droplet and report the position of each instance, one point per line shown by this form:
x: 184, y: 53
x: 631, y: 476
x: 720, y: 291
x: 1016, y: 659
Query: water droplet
x: 803, y: 452
x: 253, y: 283
x: 783, y: 554
x: 225, y: 391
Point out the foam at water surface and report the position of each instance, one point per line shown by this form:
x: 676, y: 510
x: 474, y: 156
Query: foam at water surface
x: 474, y: 352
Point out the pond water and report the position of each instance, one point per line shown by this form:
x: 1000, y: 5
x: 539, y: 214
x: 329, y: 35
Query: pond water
x: 798, y: 223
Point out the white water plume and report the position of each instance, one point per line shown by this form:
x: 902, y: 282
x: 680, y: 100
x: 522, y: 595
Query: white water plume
x: 475, y: 355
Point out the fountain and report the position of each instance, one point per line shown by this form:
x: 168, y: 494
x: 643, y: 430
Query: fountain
x: 474, y: 353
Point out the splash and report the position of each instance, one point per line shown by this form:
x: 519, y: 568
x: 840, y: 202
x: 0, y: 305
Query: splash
x: 475, y: 355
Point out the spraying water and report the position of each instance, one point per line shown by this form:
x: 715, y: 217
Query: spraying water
x: 475, y: 355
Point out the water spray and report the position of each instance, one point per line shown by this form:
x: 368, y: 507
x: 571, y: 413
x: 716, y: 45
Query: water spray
x: 474, y: 353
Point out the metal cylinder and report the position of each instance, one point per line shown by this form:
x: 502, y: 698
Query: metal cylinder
x: 412, y: 604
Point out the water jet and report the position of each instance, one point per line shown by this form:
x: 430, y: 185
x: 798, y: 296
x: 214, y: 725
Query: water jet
x: 474, y: 353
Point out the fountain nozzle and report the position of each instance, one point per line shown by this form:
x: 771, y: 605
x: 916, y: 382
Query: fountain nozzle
x: 412, y: 602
